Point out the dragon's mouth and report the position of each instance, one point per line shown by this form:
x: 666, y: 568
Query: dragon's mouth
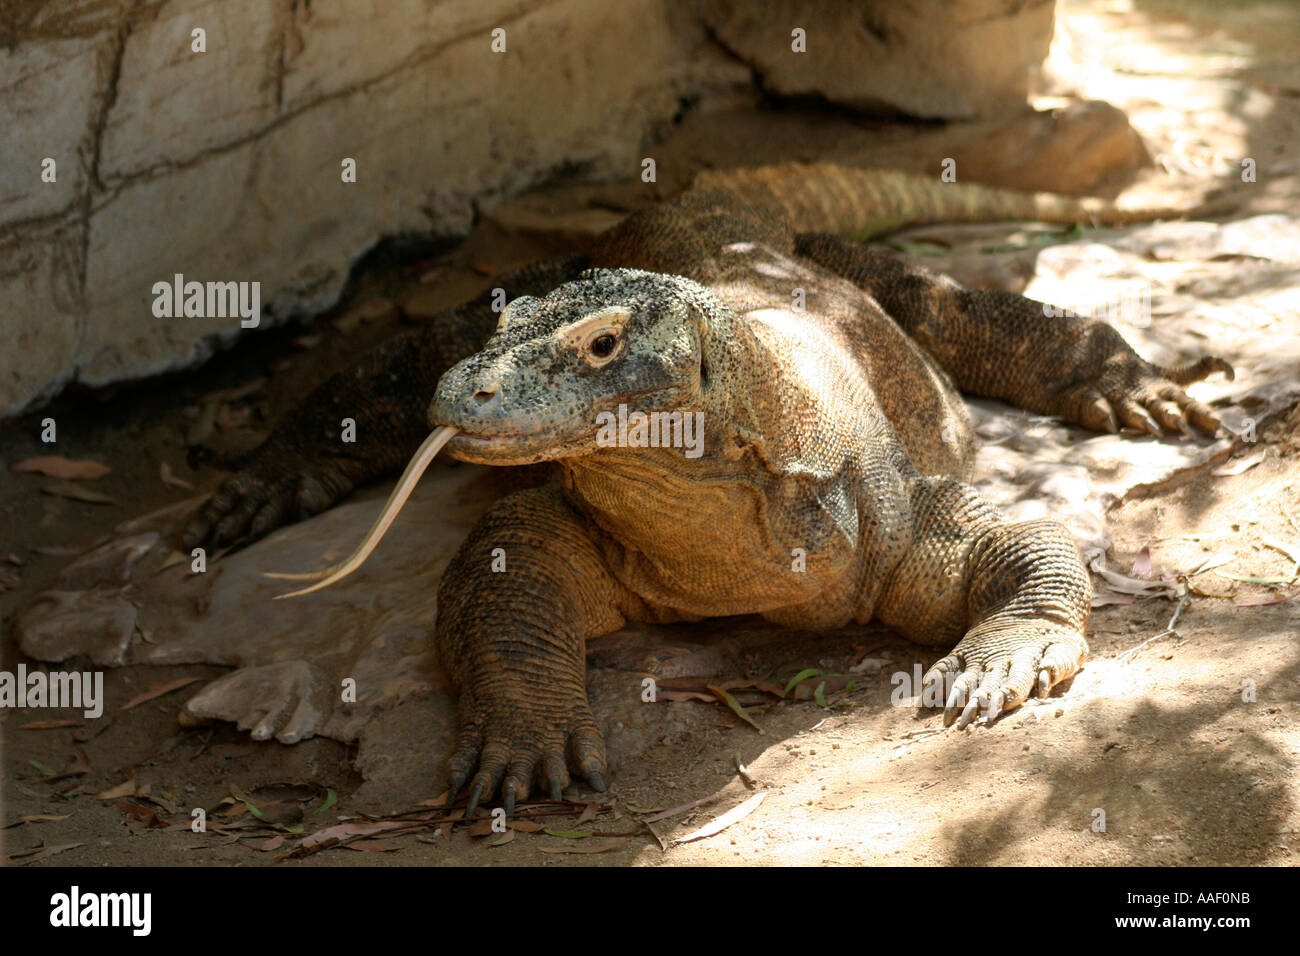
x: 472, y: 438
x: 515, y: 442
x: 517, y: 448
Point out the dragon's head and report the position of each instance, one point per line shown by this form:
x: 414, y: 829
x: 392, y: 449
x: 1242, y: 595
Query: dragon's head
x: 553, y: 374
x: 560, y: 367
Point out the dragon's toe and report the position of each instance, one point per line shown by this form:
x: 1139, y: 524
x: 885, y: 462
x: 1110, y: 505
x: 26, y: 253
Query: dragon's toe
x: 992, y: 671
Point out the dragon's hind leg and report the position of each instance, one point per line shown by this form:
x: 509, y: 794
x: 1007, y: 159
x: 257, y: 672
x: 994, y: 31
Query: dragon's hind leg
x: 1002, y: 345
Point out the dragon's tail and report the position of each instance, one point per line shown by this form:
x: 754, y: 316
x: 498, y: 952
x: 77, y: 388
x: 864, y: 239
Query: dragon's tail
x: 824, y: 197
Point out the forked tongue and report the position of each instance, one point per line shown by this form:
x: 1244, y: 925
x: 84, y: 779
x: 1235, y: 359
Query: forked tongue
x: 405, y: 485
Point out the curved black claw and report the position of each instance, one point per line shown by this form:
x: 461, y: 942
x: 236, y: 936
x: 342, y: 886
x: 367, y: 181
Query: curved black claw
x: 474, y: 796
x: 273, y: 490
x: 497, y: 746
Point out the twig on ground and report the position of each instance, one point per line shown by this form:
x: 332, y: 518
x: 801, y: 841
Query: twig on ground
x: 1169, y: 629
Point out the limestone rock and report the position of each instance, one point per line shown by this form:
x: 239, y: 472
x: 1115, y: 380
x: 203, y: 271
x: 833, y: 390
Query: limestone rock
x: 62, y: 624
x: 225, y: 165
x: 936, y: 59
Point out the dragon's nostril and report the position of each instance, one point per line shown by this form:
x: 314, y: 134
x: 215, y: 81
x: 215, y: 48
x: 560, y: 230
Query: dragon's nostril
x: 483, y: 396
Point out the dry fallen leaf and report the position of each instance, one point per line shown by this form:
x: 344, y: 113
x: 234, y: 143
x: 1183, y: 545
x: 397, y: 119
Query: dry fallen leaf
x: 32, y: 856
x: 56, y: 466
x: 1210, y: 563
x: 66, y: 489
x: 157, y: 690
x: 1102, y: 598
x: 342, y: 831
x: 684, y: 695
x: 124, y: 789
x: 1237, y: 466
x: 445, y: 828
x: 1267, y: 603
x: 267, y: 846
x: 499, y: 839
x: 145, y: 815
x: 586, y: 846
x: 678, y: 811
x: 1290, y: 550
x: 373, y: 846
x: 169, y: 477
x: 726, y: 820
x: 49, y: 724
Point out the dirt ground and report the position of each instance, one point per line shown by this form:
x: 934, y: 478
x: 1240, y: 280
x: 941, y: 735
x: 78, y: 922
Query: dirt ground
x: 1183, y: 738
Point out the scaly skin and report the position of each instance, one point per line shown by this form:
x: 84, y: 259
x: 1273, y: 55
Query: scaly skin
x: 524, y: 715
x: 1002, y: 345
x: 824, y: 197
x: 827, y: 378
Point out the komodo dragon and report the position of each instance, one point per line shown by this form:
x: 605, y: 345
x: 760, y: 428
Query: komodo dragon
x: 830, y: 487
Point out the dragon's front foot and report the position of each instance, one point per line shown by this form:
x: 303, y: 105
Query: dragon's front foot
x: 513, y: 741
x: 273, y: 489
x: 995, y: 666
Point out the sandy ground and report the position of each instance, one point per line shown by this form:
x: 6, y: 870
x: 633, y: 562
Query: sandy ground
x: 1185, y: 745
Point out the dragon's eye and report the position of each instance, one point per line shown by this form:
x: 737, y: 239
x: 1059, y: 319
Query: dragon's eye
x: 601, y: 346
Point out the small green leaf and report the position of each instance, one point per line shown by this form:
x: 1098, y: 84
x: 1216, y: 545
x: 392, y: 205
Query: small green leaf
x: 799, y: 678
x: 736, y: 707
x: 331, y: 798
x: 567, y: 834
x: 1248, y: 579
x: 920, y: 248
x: 819, y: 695
x: 48, y: 771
